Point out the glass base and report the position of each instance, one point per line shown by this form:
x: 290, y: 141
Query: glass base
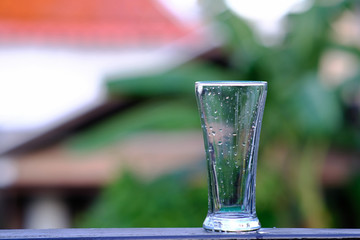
x: 224, y: 222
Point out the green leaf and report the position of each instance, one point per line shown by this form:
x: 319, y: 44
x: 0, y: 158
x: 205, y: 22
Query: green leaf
x: 175, y: 82
x: 314, y: 109
x: 169, y: 201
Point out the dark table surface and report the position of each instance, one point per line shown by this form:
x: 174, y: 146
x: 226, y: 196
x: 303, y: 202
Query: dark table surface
x: 178, y: 233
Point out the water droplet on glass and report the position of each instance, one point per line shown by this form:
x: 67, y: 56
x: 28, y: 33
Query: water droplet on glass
x: 227, y: 97
x: 213, y: 133
x: 220, y: 129
x: 220, y: 143
x: 215, y: 111
x: 234, y: 134
x: 244, y: 144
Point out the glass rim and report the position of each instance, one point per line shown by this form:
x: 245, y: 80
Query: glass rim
x: 231, y: 83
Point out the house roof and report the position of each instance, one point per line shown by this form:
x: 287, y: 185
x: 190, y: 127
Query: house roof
x: 99, y: 22
x: 52, y: 135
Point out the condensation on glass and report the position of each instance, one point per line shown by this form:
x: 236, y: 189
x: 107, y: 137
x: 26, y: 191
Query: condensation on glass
x: 231, y: 114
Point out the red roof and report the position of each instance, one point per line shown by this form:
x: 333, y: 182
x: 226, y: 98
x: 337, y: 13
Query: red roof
x: 104, y: 22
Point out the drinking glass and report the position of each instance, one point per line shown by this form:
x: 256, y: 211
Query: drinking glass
x: 231, y: 114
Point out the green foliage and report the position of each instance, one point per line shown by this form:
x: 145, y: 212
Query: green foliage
x: 175, y: 82
x: 314, y: 110
x: 170, y: 201
x: 348, y: 137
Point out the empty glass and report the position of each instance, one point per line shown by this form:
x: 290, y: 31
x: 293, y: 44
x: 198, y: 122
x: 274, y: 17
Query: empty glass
x: 231, y: 114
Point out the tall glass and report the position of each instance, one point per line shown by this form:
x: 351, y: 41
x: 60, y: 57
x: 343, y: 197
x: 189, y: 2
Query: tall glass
x: 231, y: 114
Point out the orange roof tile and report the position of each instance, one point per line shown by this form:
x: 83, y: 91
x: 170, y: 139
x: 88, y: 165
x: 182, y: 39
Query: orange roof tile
x: 105, y: 22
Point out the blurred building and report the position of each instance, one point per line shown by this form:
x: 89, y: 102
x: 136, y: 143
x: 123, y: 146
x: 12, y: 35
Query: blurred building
x: 92, y: 23
x: 44, y: 184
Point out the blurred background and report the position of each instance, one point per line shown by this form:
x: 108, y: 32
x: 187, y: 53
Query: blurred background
x: 98, y: 118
